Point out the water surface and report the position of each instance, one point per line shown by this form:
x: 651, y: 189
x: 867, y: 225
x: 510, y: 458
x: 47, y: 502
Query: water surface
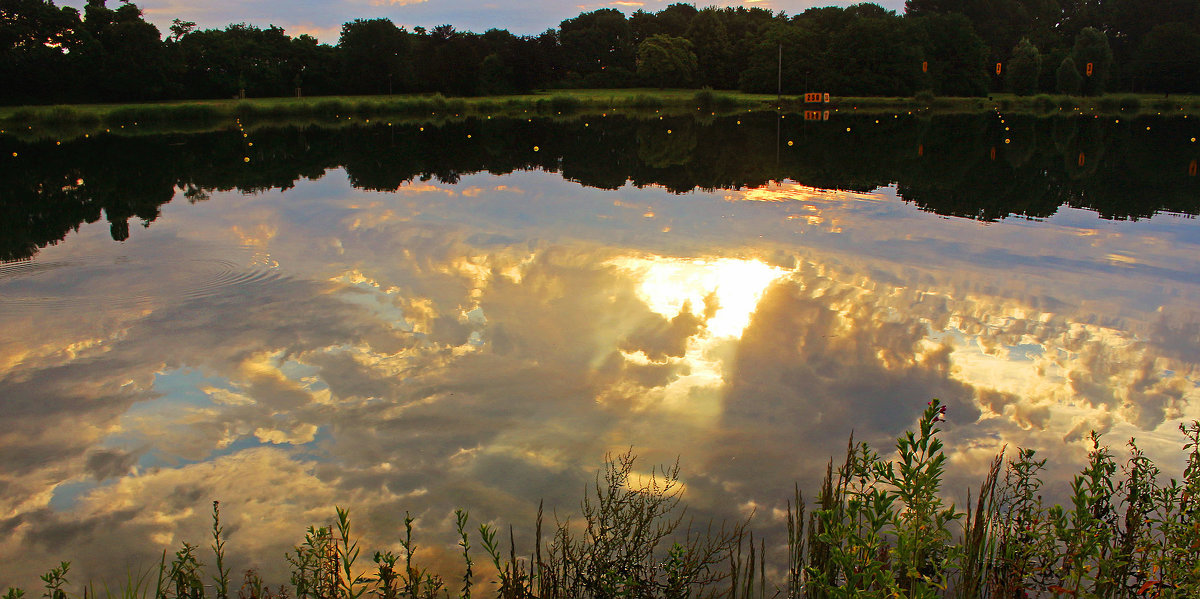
x: 471, y: 314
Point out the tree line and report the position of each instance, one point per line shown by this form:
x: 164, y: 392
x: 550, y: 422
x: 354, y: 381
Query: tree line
x: 52, y: 54
x: 954, y: 165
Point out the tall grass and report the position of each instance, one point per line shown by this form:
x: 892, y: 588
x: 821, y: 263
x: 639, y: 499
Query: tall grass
x: 878, y: 528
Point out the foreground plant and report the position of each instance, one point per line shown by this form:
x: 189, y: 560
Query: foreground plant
x: 880, y: 528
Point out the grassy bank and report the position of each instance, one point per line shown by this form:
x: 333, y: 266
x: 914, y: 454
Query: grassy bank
x: 879, y: 528
x: 202, y: 115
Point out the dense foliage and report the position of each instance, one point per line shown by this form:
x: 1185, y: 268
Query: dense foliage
x: 52, y: 54
x: 954, y: 165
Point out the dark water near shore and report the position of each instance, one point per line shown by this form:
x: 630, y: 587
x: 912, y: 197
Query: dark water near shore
x: 470, y: 314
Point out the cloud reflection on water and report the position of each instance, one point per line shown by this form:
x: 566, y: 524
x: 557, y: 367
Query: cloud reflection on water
x: 483, y: 344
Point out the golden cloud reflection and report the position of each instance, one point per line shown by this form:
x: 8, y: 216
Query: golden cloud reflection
x: 723, y: 291
x: 482, y: 347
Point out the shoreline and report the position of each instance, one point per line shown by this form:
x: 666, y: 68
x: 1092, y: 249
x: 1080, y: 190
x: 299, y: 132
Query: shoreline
x: 79, y: 120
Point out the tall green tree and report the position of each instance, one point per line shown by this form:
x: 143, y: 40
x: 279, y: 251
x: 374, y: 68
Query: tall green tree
x: 924, y: 8
x: 124, y: 58
x: 675, y: 19
x: 666, y: 61
x: 1067, y: 78
x: 1091, y: 48
x: 454, y: 61
x: 876, y: 56
x: 1168, y: 60
x: 595, y: 42
x: 1024, y: 69
x: 494, y: 76
x: 802, y: 53
x: 37, y: 42
x: 956, y: 57
x: 375, y: 54
x: 240, y: 59
x: 710, y: 41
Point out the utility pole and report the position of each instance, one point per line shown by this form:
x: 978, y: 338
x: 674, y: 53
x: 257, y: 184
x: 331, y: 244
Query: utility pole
x: 779, y: 82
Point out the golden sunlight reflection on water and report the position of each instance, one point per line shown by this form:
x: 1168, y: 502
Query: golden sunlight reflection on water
x: 724, y: 291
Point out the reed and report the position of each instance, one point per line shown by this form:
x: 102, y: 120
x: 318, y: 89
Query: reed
x: 879, y: 528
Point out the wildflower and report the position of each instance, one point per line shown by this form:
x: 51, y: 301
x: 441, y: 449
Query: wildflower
x: 941, y: 415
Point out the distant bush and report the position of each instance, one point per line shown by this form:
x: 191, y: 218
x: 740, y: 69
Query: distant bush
x: 23, y: 115
x: 564, y: 103
x: 644, y: 101
x: 192, y: 112
x: 130, y: 115
x: 456, y: 105
x: 364, y: 107
x: 60, y: 115
x: 1108, y: 103
x: 488, y: 107
x: 1164, y: 104
x: 248, y: 110
x: 1044, y: 103
x: 1130, y: 103
x: 330, y: 107
x: 924, y: 96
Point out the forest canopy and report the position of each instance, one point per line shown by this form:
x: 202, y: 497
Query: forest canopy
x: 53, y: 54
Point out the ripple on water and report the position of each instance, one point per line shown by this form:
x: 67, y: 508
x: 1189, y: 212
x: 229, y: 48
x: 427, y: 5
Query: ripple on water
x: 106, y: 282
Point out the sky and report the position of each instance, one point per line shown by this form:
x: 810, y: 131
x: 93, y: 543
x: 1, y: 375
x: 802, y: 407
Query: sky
x: 323, y: 18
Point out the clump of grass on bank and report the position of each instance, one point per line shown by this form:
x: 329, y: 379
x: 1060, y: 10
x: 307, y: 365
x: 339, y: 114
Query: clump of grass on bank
x: 879, y: 528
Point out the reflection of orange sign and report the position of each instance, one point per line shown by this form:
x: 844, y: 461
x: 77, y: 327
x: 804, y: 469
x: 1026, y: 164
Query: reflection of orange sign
x: 1089, y: 69
x: 816, y: 115
x: 1192, y: 168
x: 997, y: 68
x: 1080, y: 159
x: 925, y: 66
x: 993, y: 153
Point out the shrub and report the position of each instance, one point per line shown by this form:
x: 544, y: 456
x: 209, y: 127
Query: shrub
x: 644, y: 101
x: 1044, y: 103
x: 564, y: 103
x: 1130, y: 102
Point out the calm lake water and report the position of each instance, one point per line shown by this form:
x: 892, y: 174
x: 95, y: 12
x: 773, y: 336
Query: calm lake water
x: 472, y: 313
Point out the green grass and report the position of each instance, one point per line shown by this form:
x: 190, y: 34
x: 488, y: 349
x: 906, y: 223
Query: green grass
x: 67, y: 122
x: 879, y: 528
